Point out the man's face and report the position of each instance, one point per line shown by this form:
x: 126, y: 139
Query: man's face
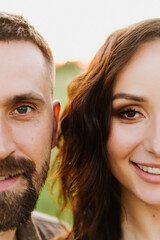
x: 26, y: 129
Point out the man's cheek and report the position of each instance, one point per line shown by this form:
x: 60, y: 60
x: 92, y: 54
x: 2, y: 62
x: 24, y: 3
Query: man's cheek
x: 39, y: 177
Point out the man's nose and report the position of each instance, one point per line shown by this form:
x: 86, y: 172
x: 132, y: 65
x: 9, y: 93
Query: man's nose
x: 7, y: 145
x: 152, y: 141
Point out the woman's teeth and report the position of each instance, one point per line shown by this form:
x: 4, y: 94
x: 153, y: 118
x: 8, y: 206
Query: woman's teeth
x: 149, y: 169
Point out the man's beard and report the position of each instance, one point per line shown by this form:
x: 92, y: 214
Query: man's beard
x: 16, y: 207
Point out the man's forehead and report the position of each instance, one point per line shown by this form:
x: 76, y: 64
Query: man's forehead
x: 22, y: 49
x: 22, y: 68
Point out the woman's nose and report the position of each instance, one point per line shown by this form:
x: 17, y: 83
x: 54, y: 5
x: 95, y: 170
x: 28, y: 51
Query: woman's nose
x: 152, y: 139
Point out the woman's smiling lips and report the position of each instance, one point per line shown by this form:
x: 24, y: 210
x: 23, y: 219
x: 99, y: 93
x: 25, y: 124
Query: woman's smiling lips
x: 148, y: 172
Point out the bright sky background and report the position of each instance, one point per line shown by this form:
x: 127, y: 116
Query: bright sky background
x: 75, y: 29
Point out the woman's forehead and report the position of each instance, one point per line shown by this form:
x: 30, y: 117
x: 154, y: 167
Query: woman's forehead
x: 142, y: 68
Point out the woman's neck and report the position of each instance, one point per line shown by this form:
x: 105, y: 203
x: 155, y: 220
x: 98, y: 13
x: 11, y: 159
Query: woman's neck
x: 140, y: 221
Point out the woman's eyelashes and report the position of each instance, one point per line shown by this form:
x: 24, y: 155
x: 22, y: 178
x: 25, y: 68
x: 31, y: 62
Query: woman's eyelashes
x: 129, y: 113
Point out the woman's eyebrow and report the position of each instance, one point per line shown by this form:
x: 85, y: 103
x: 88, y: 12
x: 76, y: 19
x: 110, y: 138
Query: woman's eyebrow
x: 128, y: 97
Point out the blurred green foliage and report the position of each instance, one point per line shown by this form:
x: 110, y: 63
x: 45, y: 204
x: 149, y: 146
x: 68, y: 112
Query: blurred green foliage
x: 64, y: 74
x: 45, y: 203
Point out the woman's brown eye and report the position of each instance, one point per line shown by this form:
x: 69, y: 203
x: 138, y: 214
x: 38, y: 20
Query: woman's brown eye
x: 130, y: 114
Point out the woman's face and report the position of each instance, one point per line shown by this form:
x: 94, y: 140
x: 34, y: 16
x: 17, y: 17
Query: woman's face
x: 134, y: 141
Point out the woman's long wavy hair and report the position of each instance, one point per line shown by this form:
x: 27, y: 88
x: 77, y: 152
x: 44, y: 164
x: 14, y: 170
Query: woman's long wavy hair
x: 84, y: 171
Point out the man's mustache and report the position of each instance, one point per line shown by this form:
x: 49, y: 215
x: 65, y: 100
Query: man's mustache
x: 18, y: 165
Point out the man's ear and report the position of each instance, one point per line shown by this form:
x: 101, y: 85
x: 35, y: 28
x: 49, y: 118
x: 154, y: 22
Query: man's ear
x: 56, y: 111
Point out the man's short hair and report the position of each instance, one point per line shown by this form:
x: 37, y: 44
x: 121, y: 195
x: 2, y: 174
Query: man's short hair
x: 15, y: 27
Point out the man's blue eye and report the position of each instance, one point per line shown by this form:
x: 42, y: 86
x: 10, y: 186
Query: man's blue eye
x: 23, y: 109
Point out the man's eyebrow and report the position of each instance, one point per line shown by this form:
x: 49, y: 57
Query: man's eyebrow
x: 27, y: 97
x: 128, y: 97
